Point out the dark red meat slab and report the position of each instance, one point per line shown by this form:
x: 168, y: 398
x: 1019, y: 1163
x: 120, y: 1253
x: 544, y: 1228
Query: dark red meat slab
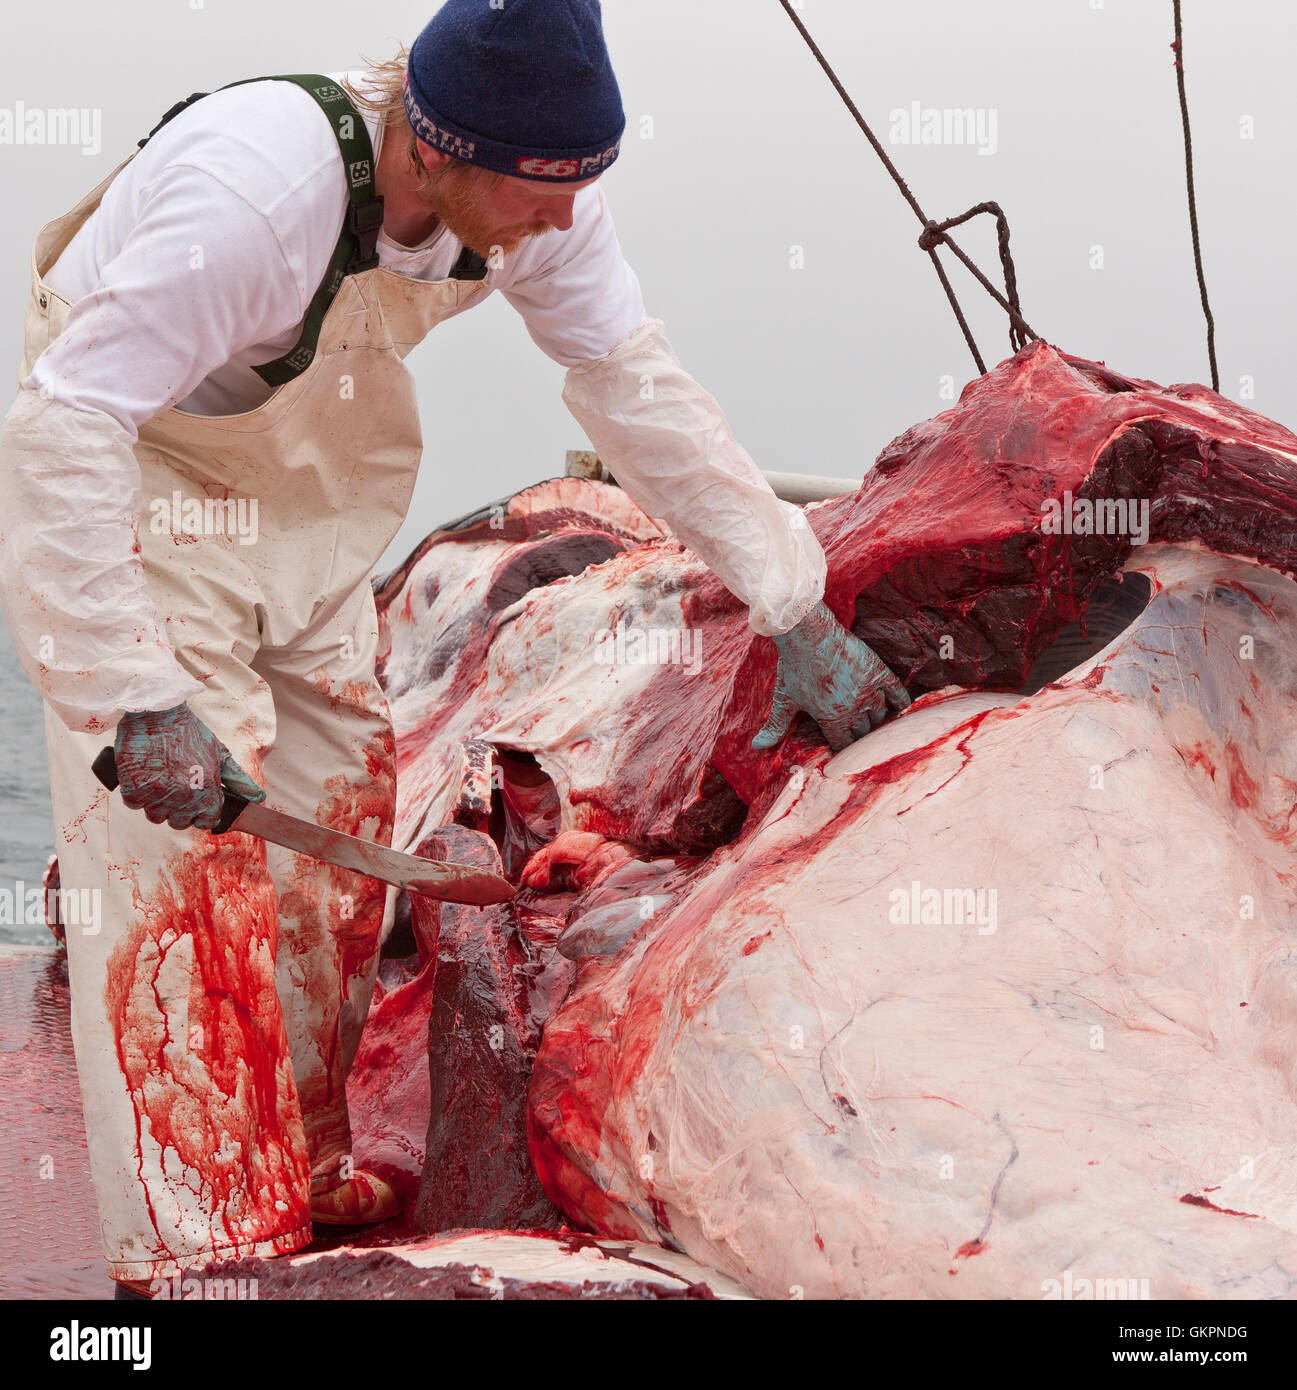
x: 376, y: 1274
x: 491, y: 995
x: 944, y: 536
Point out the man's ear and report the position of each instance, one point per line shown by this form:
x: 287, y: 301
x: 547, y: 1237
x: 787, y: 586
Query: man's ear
x: 434, y: 161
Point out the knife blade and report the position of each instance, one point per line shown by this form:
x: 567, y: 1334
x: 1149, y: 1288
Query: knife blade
x: 434, y: 878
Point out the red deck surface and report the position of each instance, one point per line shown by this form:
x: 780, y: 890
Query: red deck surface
x: 49, y: 1229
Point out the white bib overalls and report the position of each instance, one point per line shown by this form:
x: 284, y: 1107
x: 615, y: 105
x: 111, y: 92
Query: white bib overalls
x: 217, y: 1010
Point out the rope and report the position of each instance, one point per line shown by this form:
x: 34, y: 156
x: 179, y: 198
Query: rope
x: 1019, y: 332
x: 1177, y: 47
x: 936, y: 234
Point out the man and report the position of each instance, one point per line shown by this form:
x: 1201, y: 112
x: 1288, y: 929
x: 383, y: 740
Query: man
x: 205, y: 342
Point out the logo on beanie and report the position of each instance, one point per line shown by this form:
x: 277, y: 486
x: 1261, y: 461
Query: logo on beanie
x: 547, y: 168
x: 432, y: 134
x: 530, y: 167
x: 492, y: 155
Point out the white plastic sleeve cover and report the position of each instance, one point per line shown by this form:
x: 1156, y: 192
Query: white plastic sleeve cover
x: 87, y: 633
x: 666, y: 441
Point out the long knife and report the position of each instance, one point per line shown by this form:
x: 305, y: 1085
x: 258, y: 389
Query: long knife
x: 434, y: 878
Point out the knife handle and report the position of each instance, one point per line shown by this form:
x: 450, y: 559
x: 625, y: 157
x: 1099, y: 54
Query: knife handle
x: 232, y: 806
x: 105, y: 768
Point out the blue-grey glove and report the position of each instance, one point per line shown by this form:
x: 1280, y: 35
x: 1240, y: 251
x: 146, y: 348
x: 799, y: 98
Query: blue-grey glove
x: 832, y: 676
x: 171, y: 766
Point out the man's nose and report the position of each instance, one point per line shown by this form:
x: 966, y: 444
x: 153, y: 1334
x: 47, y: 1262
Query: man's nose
x: 559, y: 217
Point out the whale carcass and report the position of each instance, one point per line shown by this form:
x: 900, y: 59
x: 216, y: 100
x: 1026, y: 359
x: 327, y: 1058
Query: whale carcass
x: 999, y: 999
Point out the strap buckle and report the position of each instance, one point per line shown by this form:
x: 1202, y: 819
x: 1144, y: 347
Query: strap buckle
x: 171, y: 115
x: 364, y: 222
x: 469, y: 266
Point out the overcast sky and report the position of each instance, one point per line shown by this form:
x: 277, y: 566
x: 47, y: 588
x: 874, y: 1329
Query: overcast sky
x: 763, y: 228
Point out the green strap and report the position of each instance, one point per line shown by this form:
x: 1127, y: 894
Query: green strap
x: 357, y: 247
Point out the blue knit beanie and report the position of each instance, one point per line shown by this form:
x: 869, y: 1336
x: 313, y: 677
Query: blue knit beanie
x: 523, y: 87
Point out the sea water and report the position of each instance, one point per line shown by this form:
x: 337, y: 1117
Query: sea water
x: 26, y: 824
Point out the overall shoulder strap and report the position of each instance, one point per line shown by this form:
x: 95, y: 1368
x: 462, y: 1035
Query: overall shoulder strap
x: 357, y: 247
